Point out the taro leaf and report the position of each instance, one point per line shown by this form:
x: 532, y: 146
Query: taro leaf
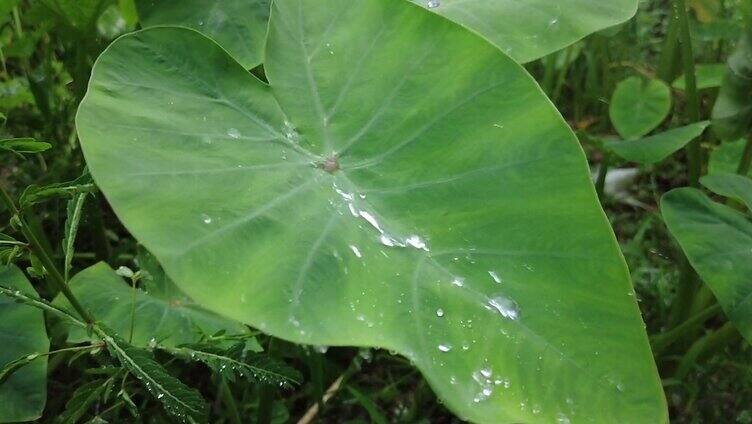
x: 237, y: 25
x: 708, y: 76
x: 447, y: 169
x: 529, y: 29
x: 22, y: 332
x: 657, y: 147
x: 730, y: 185
x: 179, y: 400
x: 171, y: 321
x: 732, y: 113
x: 638, y: 106
x: 725, y: 158
x: 718, y: 242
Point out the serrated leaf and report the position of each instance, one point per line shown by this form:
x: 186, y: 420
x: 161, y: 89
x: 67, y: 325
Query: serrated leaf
x: 180, y: 401
x: 82, y: 399
x: 34, y: 194
x: 235, y: 362
x: 718, y: 242
x: 447, y: 170
x: 638, y: 106
x: 657, y: 147
x: 23, y: 393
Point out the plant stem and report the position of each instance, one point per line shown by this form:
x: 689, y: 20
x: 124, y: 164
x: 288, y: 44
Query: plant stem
x: 707, y: 344
x: 662, y: 341
x: 229, y: 401
x: 47, y: 262
x: 600, y: 181
x: 685, y: 293
x: 746, y: 160
x: 694, y: 153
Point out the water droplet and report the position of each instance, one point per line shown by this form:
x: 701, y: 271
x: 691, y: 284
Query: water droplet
x: 417, y: 242
x: 124, y: 271
x: 433, y: 4
x: 206, y: 219
x: 160, y: 395
x: 486, y: 372
x: 439, y: 312
x: 505, y: 306
x: 458, y: 281
x: 445, y: 347
x: 562, y: 419
x: 356, y: 251
x: 495, y: 276
x: 233, y: 133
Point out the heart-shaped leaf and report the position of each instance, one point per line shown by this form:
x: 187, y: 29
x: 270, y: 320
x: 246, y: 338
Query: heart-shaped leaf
x: 734, y: 186
x: 22, y: 332
x: 718, y: 242
x: 237, y: 25
x: 657, y: 147
x: 529, y: 29
x: 170, y: 321
x: 401, y: 184
x: 638, y: 106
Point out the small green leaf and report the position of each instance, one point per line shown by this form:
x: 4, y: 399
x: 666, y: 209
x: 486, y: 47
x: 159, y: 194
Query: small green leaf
x: 718, y: 242
x: 74, y: 211
x: 169, y: 318
x: 82, y: 399
x: 237, y: 25
x: 735, y: 186
x: 655, y: 148
x: 732, y: 113
x: 23, y: 393
x: 34, y: 194
x: 638, y: 106
x: 708, y: 76
x: 24, y: 145
x: 179, y: 400
x: 236, y: 362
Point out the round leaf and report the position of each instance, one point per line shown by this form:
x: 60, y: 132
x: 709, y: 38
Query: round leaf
x: 638, y: 106
x: 391, y: 188
x: 529, y: 29
x: 237, y: 25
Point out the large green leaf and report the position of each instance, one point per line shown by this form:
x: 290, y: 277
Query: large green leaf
x: 638, y: 106
x: 400, y: 184
x: 22, y: 332
x: 170, y: 318
x: 657, y: 147
x: 529, y: 29
x: 237, y: 25
x: 718, y: 242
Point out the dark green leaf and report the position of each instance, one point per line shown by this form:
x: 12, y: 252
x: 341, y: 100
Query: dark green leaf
x: 82, y: 399
x: 655, y: 148
x: 732, y: 113
x: 23, y: 393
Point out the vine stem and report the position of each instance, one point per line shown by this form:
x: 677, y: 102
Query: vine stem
x: 37, y: 248
x: 694, y: 153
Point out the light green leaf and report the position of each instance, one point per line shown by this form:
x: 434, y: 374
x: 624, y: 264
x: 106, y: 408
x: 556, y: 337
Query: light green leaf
x: 732, y: 113
x: 22, y: 332
x: 529, y: 29
x: 34, y: 194
x: 237, y: 25
x: 718, y: 242
x: 182, y: 402
x: 726, y: 156
x: 709, y: 75
x: 638, y: 106
x: 730, y: 185
x: 246, y: 194
x: 657, y: 147
x: 24, y: 145
x: 171, y: 321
